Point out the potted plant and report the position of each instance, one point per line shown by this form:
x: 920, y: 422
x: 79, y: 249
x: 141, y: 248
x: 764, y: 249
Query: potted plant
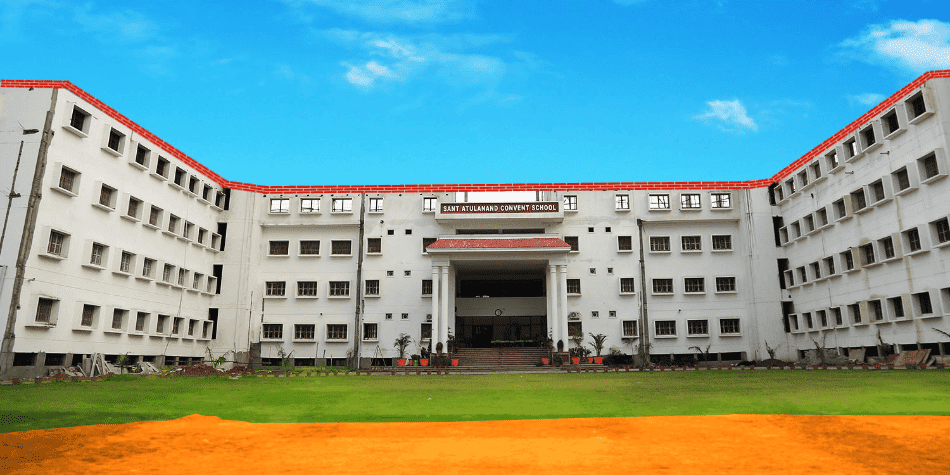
x: 402, y: 342
x: 598, y: 344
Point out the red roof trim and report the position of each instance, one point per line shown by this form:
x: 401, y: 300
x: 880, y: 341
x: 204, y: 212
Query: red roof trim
x: 499, y: 243
x: 447, y: 188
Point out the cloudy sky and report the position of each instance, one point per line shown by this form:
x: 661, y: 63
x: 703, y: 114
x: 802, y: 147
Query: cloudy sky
x: 314, y: 92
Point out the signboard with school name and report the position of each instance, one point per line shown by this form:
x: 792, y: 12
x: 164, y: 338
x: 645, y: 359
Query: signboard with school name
x: 500, y: 208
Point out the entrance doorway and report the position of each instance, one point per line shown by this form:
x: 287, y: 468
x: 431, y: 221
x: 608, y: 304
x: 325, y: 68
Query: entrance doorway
x: 479, y: 332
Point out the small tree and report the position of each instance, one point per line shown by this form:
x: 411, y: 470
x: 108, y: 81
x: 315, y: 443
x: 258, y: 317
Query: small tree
x: 702, y: 353
x: 402, y: 342
x: 771, y: 351
x: 598, y: 342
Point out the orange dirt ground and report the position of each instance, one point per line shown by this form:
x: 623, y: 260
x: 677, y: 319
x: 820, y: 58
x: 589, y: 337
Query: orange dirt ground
x: 746, y: 444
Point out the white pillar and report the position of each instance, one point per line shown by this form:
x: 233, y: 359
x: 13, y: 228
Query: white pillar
x: 562, y: 308
x: 552, y: 304
x: 435, y: 303
x: 444, y: 301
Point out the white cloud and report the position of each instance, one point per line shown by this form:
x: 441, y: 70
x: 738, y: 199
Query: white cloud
x: 395, y: 11
x: 730, y: 116
x: 365, y: 76
x: 915, y: 46
x: 125, y: 25
x: 867, y: 99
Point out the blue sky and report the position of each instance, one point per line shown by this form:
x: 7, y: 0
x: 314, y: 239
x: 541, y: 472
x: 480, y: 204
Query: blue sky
x: 334, y: 92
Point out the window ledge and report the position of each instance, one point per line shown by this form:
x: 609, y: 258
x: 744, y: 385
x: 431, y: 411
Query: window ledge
x: 158, y: 335
x: 874, y: 146
x: 622, y: 210
x: 933, y: 178
x: 76, y: 131
x: 82, y: 329
x: 819, y: 179
x: 629, y: 337
x: 93, y: 266
x: 727, y: 335
x: 671, y: 337
x: 627, y: 293
x: 307, y: 297
x: 373, y: 212
x: 275, y: 296
x: 307, y: 255
x: 160, y: 177
x: 341, y: 255
x: 928, y: 316
x: 130, y: 218
x: 337, y: 340
x: 114, y: 153
x: 833, y: 276
x: 371, y: 296
x: 375, y: 253
x: 574, y: 295
x: 198, y: 244
x: 338, y: 296
x: 881, y: 201
x: 117, y: 331
x: 122, y: 273
x: 864, y: 209
x: 138, y: 165
x: 278, y: 255
x: 169, y: 233
x: 843, y: 218
x: 176, y: 185
x: 905, y: 191
x: 305, y: 340
x: 920, y: 118
x: 660, y: 209
x: 879, y: 322
x: 137, y: 334
x: 278, y: 213
x: 625, y: 251
x: 895, y: 133
x: 150, y: 225
x: 202, y: 200
x: 350, y: 212
x: 183, y: 238
x: 272, y: 340
x: 917, y: 252
x: 691, y: 209
x: 692, y: 251
x: 662, y: 294
x: 873, y: 264
x: 190, y: 289
x: 162, y: 282
x: 836, y: 169
x: 103, y: 207
x: 370, y: 339
x: 660, y: 252
x: 727, y: 291
x: 694, y: 293
x: 942, y: 244
x: 851, y: 271
x: 855, y: 158
x: 64, y: 191
x: 721, y: 209
x: 304, y: 213
x: 51, y: 256
x: 722, y: 250
x: 40, y: 325
x: 698, y: 335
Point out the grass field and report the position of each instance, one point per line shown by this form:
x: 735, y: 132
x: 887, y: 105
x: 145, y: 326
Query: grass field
x: 467, y: 398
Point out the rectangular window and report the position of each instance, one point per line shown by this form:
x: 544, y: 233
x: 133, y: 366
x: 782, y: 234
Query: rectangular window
x: 186, y: 230
x: 572, y: 241
x: 867, y: 254
x: 815, y: 168
x: 206, y: 193
x: 118, y: 315
x: 181, y: 277
x: 309, y: 248
x: 173, y: 224
x: 88, y: 315
x: 115, y: 140
x: 721, y: 200
x: 176, y: 325
x: 196, y: 281
x: 836, y: 313
x: 305, y: 331
x: 868, y: 136
x: 160, y: 324
x: 692, y: 243
x: 890, y: 122
x: 339, y: 289
x: 161, y: 167
x: 924, y: 306
x: 134, y: 205
x: 340, y: 248
x: 697, y: 327
x: 725, y: 284
x: 374, y: 246
x: 624, y: 243
x: 155, y: 216
x: 125, y: 262
x: 570, y: 203
x: 78, y: 119
x: 876, y: 310
x: 901, y: 179
x: 629, y: 328
x: 573, y: 286
x: 44, y: 310
x: 722, y: 243
x: 67, y: 179
x: 832, y: 160
x: 830, y: 265
x: 272, y: 331
x: 371, y: 331
x: 428, y: 204
x: 809, y: 323
x: 941, y: 230
x: 877, y: 191
x: 622, y: 202
x: 887, y: 247
x: 850, y: 148
x: 372, y: 287
x: 858, y: 199
x: 336, y: 332
x: 141, y: 319
x: 790, y: 186
x: 309, y: 205
x: 375, y: 205
x: 665, y: 327
x: 426, y: 242
x: 279, y: 248
x: 167, y: 273
x: 841, y: 210
x: 659, y: 243
x: 802, y: 274
x: 916, y: 106
x: 928, y: 167
x: 855, y: 312
x: 729, y: 326
x: 193, y: 185
x: 280, y: 205
x: 659, y: 201
x: 897, y: 307
x: 913, y: 239
x: 306, y: 289
x: 98, y: 250
x: 662, y: 286
x: 147, y: 265
x: 847, y: 259
x: 275, y: 289
x: 202, y: 234
x: 627, y: 285
x: 821, y: 217
x: 427, y: 287
x: 690, y: 201
x: 803, y: 178
x: 695, y: 285
x: 822, y: 318
x: 341, y: 205
x: 106, y: 195
x: 141, y: 156
x: 56, y: 241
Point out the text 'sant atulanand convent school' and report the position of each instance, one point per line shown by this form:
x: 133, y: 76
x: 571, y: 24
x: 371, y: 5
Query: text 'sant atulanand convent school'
x: 117, y: 243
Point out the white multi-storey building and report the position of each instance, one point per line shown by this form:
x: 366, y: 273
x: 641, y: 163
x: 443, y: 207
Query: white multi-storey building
x: 117, y: 243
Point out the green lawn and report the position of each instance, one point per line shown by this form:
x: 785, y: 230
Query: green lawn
x: 464, y: 398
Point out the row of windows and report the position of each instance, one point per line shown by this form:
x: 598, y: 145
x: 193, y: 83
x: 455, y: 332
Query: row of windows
x: 930, y: 168
x: 889, y: 248
x: 856, y: 146
x: 695, y: 285
x: 696, y: 328
x: 884, y: 310
x: 661, y: 201
x: 125, y: 321
x: 311, y: 206
x: 720, y: 242
x: 338, y: 247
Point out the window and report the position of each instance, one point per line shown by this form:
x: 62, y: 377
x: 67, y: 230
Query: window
x: 408, y: 232
x: 821, y: 217
x: 901, y: 179
x: 115, y: 140
x: 180, y: 177
x: 867, y: 135
x: 372, y: 287
x: 98, y: 252
x: 427, y: 287
x: 803, y: 178
x: 858, y: 200
x: 341, y: 205
x: 340, y: 248
x: 572, y: 241
x: 68, y: 179
x: 339, y: 289
x: 186, y: 230
x: 912, y: 236
x: 815, y: 168
x: 141, y: 320
x: 729, y: 326
x: 832, y: 160
x: 279, y: 248
x: 160, y: 323
x: 809, y: 323
x: 850, y: 148
x: 78, y: 119
x: 573, y: 286
x: 306, y: 289
x: 375, y: 205
x: 176, y: 325
x: 722, y: 243
x: 167, y: 273
x: 916, y: 106
x: 816, y: 269
x: 206, y: 193
x: 141, y: 156
x: 309, y: 248
x: 181, y: 277
x: 897, y: 307
x: 134, y: 206
x: 155, y: 216
x: 107, y: 196
x: 147, y: 266
x: 44, y: 310
x: 695, y: 285
x: 725, y: 284
x: 867, y: 254
x: 697, y: 327
x: 659, y: 201
x: 627, y: 285
x: 196, y: 281
x: 607, y: 229
x: 802, y: 274
x: 612, y: 314
x: 374, y: 246
x: 876, y: 310
x: 659, y: 243
x: 405, y: 316
x: 890, y: 122
x: 173, y: 224
x: 390, y: 273
x: 790, y: 186
x: 665, y: 327
x: 855, y: 311
x: 125, y: 262
x: 371, y: 331
x: 272, y: 331
x: 407, y: 273
x: 304, y: 331
x: 593, y: 271
x: 624, y: 243
x: 836, y: 313
x: 161, y: 167
x: 830, y: 265
x: 118, y: 317
x: 877, y: 191
x: 595, y: 314
x: 193, y: 185
x: 280, y: 205
x: 822, y: 318
x: 570, y: 203
x: 887, y: 247
x: 720, y: 200
x: 428, y: 205
x: 336, y: 332
x: 629, y: 328
x: 275, y: 289
x: 928, y: 167
x: 310, y: 205
x: 88, y: 316
x: 809, y: 223
x: 841, y: 210
x: 690, y: 201
x: 692, y: 243
x: 202, y: 234
x: 622, y: 202
x: 923, y: 304
x: 662, y: 286
x: 56, y: 244
x: 941, y: 230
x: 426, y: 242
x: 847, y: 260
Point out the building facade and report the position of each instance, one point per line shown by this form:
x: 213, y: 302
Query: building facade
x: 116, y: 243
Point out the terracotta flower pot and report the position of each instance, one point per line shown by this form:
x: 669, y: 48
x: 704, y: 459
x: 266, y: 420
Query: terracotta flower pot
x: 455, y: 361
x: 545, y: 361
x: 401, y: 362
x: 576, y: 360
x: 598, y: 360
x: 590, y: 360
x: 424, y: 362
